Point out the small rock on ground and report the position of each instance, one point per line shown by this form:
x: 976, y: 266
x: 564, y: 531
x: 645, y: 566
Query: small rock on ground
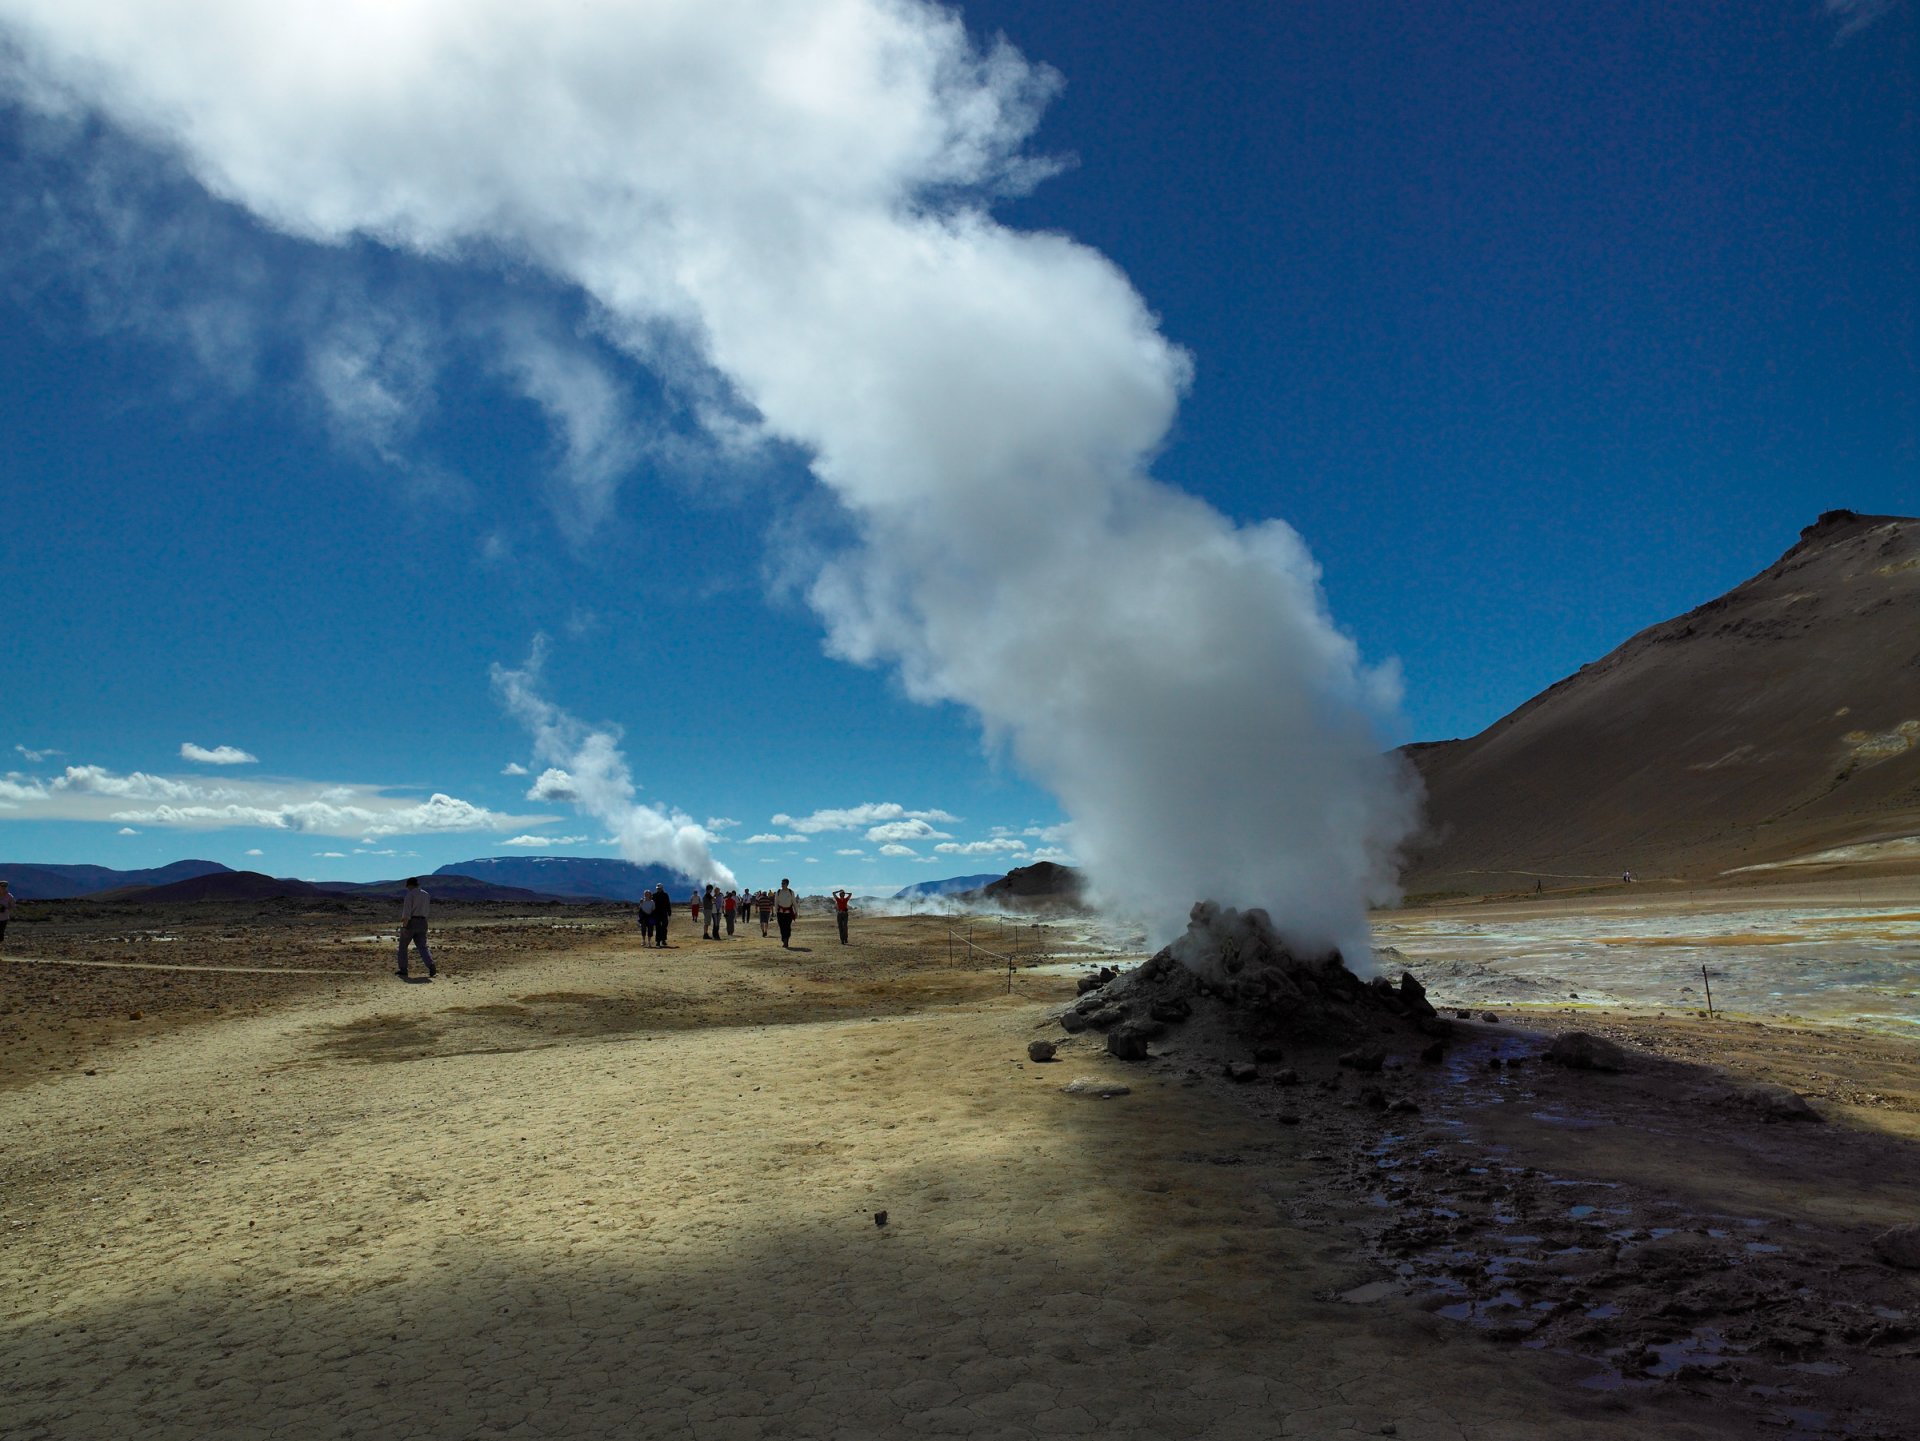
x: 1094, y: 1086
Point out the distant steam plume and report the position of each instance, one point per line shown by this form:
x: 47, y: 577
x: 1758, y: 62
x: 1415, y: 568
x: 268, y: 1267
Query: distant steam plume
x: 587, y: 769
x: 794, y: 194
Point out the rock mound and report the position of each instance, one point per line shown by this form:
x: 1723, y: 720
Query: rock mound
x: 1237, y: 962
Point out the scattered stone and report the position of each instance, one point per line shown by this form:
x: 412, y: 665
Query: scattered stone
x: 1413, y: 996
x: 1405, y: 1106
x: 1366, y: 1295
x: 1775, y: 1103
x: 1434, y: 1054
x: 1040, y: 1050
x: 1107, y: 1017
x: 1072, y: 1022
x: 1490, y: 1018
x: 1578, y: 1051
x: 1241, y: 1071
x: 1374, y: 1099
x: 1127, y: 1043
x: 879, y: 1218
x: 1087, y: 983
x: 1463, y: 1013
x: 1366, y: 1062
x: 1287, y: 1077
x: 1494, y: 1063
x: 1172, y: 1011
x: 136, y: 1015
x: 1899, y: 1247
x: 1094, y: 1086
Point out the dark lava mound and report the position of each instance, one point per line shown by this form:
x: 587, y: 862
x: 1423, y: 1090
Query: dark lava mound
x: 1232, y: 963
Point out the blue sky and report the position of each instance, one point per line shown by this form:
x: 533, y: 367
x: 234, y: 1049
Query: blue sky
x: 1539, y: 324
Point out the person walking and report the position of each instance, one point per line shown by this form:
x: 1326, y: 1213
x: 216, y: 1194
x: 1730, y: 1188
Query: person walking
x: 731, y: 904
x: 6, y: 911
x: 693, y: 908
x: 765, y: 902
x: 413, y: 927
x: 662, y: 913
x: 840, y: 899
x: 646, y: 918
x: 785, y: 905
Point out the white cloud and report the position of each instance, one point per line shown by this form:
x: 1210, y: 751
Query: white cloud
x: 354, y: 811
x: 34, y: 757
x: 126, y: 831
x: 1051, y: 853
x: 853, y: 818
x: 1856, y: 15
x: 1005, y: 846
x: 721, y: 823
x: 856, y: 851
x: 256, y: 851
x: 513, y: 768
x: 555, y: 786
x: 330, y: 855
x: 539, y: 842
x: 217, y: 755
x: 768, y: 838
x: 588, y: 765
x: 893, y: 850
x: 906, y: 831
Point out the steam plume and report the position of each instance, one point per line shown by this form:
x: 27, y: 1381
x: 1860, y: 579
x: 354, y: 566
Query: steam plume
x: 796, y: 193
x: 587, y: 768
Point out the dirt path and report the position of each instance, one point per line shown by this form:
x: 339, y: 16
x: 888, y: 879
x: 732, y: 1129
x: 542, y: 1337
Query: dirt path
x: 603, y: 1193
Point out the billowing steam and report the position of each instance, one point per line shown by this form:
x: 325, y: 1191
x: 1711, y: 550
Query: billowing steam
x: 796, y: 193
x: 587, y: 769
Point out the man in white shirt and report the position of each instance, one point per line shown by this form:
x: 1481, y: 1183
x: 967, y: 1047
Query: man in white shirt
x: 785, y: 903
x: 413, y: 926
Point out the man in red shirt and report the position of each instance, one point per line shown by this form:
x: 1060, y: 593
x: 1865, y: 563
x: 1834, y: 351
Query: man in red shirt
x: 840, y: 899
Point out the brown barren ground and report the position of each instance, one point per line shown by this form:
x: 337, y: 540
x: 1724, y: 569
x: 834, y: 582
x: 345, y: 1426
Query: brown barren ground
x: 575, y: 1188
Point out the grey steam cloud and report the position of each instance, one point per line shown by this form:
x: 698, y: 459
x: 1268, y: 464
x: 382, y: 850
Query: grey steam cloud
x: 793, y: 198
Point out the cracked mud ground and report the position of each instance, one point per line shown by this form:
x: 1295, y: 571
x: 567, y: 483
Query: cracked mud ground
x: 582, y: 1190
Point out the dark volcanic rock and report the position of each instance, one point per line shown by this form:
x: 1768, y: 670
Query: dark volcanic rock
x: 1072, y: 1022
x: 1040, y: 1050
x: 1242, y: 1071
x: 1127, y: 1042
x: 1107, y: 1017
x: 1365, y: 1062
x: 1775, y: 1103
x: 1413, y: 996
x: 1899, y: 1247
x: 1578, y: 1051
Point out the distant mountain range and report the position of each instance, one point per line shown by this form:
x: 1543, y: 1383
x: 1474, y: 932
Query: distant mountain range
x: 54, y: 883
x: 185, y: 881
x: 951, y: 886
x: 1777, y: 722
x: 595, y: 877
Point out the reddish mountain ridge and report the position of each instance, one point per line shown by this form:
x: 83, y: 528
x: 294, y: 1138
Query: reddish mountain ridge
x: 1778, y: 721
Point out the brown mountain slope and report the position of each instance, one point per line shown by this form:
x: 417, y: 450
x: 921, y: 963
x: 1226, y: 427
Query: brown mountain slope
x: 1780, y: 720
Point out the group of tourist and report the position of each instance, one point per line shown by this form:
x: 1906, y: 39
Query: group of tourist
x: 716, y: 912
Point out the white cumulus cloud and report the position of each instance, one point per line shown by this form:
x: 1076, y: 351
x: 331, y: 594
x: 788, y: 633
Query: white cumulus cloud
x: 540, y: 842
x: 853, y: 818
x: 513, y: 768
x: 216, y: 755
x: 896, y: 850
x: 1004, y: 846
